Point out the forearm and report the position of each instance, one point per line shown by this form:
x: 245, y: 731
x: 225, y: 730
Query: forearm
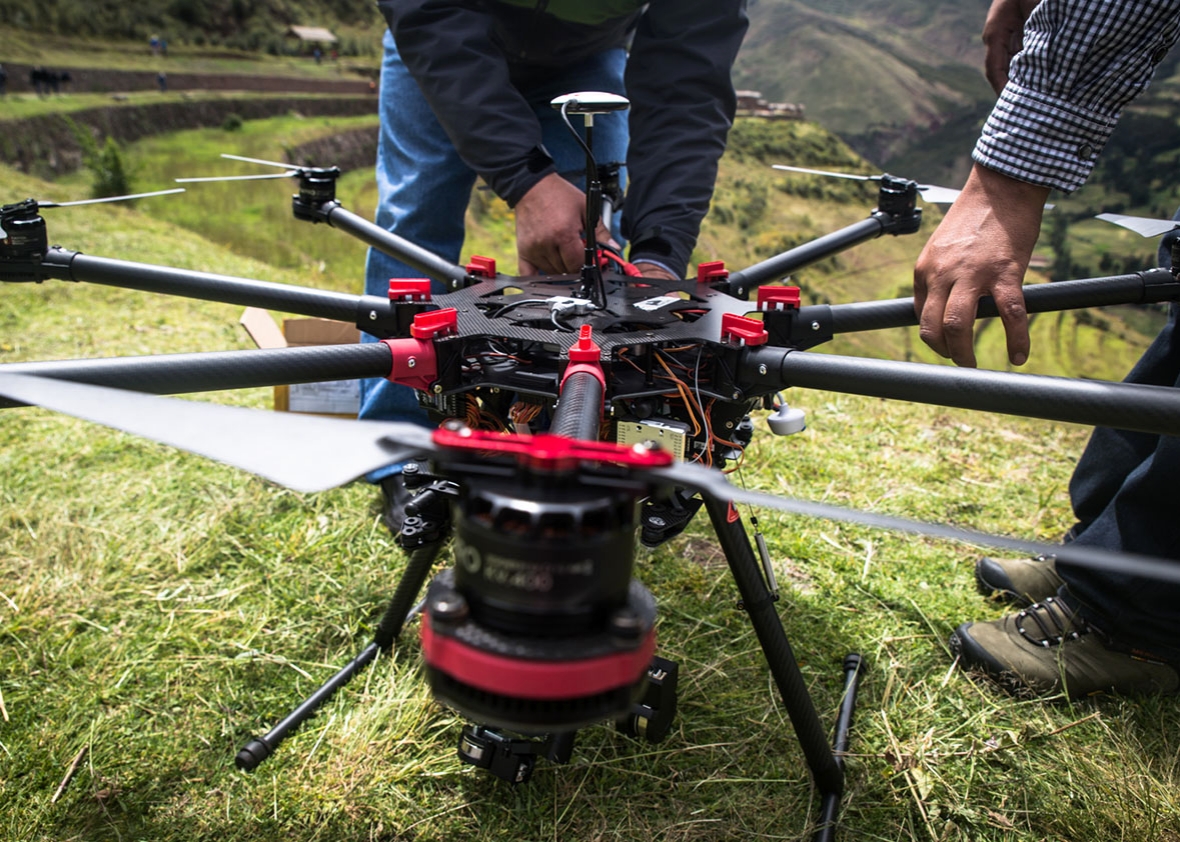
x: 682, y: 104
x: 464, y: 77
x: 1082, y: 62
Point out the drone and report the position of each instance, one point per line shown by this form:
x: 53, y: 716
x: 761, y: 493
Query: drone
x: 576, y: 416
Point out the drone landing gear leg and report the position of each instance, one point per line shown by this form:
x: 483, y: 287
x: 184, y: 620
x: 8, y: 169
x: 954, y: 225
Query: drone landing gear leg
x: 396, y: 614
x: 826, y: 768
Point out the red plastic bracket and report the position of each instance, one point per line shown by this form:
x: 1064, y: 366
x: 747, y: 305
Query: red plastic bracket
x: 481, y: 267
x: 743, y: 331
x: 409, y: 289
x: 415, y: 363
x: 585, y: 355
x: 711, y: 271
x: 435, y: 323
x: 778, y: 298
x: 585, y: 350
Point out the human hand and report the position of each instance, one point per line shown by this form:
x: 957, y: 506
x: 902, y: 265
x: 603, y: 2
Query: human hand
x: 982, y: 247
x: 651, y: 270
x: 1003, y: 37
x: 550, y: 219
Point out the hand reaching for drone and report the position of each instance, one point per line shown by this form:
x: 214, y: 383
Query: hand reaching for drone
x: 1003, y: 37
x: 652, y: 270
x: 982, y: 247
x: 549, y: 222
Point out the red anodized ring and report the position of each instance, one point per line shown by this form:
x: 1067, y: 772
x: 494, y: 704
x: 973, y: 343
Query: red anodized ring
x: 547, y: 680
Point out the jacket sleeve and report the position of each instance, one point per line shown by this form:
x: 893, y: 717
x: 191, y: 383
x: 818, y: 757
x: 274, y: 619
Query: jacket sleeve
x: 682, y: 105
x: 1082, y: 62
x: 448, y: 48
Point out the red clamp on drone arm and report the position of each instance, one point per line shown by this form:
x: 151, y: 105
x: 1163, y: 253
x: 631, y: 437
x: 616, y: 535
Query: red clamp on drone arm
x: 585, y: 355
x: 743, y: 331
x: 778, y: 298
x: 481, y: 267
x: 415, y: 363
x: 711, y: 272
x: 409, y: 289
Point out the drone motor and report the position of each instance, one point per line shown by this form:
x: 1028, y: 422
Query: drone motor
x: 539, y: 627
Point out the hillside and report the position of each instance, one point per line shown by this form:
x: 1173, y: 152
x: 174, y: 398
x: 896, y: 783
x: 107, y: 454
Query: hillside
x: 257, y: 25
x: 880, y: 74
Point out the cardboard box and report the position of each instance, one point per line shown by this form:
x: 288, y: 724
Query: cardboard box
x: 340, y: 398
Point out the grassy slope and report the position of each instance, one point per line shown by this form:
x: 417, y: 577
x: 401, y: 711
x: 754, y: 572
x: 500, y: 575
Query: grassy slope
x: 855, y: 69
x: 156, y: 611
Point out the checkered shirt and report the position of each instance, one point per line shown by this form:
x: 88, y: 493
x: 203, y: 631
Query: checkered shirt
x: 1082, y: 62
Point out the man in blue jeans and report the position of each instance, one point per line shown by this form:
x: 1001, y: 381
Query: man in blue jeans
x: 1085, y: 631
x: 465, y: 92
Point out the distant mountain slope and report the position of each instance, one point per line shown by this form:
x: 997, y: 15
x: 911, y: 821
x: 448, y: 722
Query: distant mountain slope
x: 901, y: 82
x: 879, y: 72
x: 240, y: 24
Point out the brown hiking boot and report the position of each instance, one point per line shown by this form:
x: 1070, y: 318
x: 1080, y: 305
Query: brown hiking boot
x: 1048, y: 650
x: 1021, y: 581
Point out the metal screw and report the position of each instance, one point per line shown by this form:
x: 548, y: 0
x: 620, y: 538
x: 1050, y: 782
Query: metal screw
x: 372, y: 315
x: 437, y: 389
x: 411, y: 362
x: 762, y: 370
x: 626, y: 623
x: 449, y: 607
x: 815, y: 325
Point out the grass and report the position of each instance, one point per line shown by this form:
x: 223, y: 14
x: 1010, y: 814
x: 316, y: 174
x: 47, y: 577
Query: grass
x: 156, y: 611
x: 24, y: 105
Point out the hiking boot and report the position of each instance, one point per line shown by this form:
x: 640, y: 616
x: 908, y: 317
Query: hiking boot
x: 395, y: 497
x: 1021, y: 581
x: 1049, y: 650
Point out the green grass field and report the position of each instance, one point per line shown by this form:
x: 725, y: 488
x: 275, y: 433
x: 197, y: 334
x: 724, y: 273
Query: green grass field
x: 156, y: 610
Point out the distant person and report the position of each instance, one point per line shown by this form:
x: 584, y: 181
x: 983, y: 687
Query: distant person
x: 162, y: 81
x: 317, y: 54
x: 37, y: 80
x: 1064, y: 70
x: 154, y: 45
x: 3, y: 80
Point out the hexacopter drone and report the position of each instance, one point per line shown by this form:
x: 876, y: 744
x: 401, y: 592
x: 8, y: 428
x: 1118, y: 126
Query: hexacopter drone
x: 574, y: 413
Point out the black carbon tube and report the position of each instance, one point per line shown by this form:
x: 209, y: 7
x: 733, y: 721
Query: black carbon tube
x: 781, y: 265
x: 285, y: 298
x: 426, y: 262
x: 1140, y: 288
x: 579, y: 409
x: 1124, y: 406
x: 174, y: 374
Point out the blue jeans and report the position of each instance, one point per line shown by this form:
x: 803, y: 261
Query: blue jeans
x: 1125, y: 492
x: 423, y: 187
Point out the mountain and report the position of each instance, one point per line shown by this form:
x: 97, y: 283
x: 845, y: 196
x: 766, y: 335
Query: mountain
x: 880, y: 73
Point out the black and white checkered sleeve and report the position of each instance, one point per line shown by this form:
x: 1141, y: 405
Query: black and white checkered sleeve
x: 1083, y: 61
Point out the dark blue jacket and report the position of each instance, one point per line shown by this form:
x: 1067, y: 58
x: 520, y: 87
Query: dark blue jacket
x: 471, y: 56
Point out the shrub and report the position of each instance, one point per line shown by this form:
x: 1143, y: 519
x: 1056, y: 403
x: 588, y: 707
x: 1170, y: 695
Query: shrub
x: 107, y: 167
